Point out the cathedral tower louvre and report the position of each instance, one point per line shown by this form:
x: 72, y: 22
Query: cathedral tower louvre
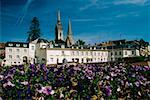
x: 58, y: 30
x: 69, y: 39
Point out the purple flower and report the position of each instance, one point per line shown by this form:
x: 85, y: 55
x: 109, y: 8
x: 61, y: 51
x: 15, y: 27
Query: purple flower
x: 108, y: 90
x: 8, y: 84
x: 137, y: 84
x: 46, y: 90
x: 31, y: 66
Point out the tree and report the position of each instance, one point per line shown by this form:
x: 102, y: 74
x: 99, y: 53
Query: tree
x: 80, y: 42
x: 34, y: 30
x: 142, y: 46
x: 143, y: 43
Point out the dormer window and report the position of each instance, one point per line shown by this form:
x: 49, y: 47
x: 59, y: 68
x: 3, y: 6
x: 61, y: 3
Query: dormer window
x: 24, y: 45
x: 18, y: 45
x: 10, y: 44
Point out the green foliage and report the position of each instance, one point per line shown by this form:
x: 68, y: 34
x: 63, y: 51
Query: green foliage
x: 143, y: 43
x: 80, y: 42
x: 34, y: 32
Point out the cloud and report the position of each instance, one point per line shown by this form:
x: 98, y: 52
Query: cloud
x: 83, y: 20
x: 109, y: 24
x: 92, y: 38
x: 91, y: 4
x: 129, y: 14
x: 24, y: 10
x: 135, y: 2
x: 121, y: 15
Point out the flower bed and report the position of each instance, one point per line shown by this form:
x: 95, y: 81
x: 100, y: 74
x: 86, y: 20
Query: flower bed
x: 88, y: 81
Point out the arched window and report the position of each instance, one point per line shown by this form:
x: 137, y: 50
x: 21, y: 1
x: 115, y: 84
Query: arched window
x: 60, y: 35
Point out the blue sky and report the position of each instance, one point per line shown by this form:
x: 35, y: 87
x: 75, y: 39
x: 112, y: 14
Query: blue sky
x: 92, y: 20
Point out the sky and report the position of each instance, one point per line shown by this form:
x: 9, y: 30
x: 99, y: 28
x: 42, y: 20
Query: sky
x: 93, y: 21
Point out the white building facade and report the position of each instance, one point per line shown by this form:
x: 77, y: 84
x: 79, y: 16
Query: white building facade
x: 117, y: 54
x: 54, y: 56
x: 17, y: 53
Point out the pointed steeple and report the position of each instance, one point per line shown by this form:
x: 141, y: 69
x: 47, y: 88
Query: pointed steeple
x: 69, y: 39
x: 58, y: 29
x: 69, y: 28
x: 58, y: 15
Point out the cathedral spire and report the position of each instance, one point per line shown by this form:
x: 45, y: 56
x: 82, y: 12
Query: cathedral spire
x: 69, y: 39
x: 58, y: 29
x: 69, y: 28
x: 58, y: 15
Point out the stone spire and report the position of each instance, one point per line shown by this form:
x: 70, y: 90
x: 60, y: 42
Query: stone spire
x: 69, y: 39
x: 58, y: 29
x: 69, y: 28
x: 58, y: 16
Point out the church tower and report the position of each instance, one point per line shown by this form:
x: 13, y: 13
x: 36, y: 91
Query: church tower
x: 58, y: 29
x: 69, y: 39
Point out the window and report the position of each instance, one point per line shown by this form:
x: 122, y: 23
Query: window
x: 87, y: 53
x: 115, y: 53
x: 82, y: 60
x: 25, y: 50
x: 78, y: 53
x: 24, y: 45
x: 132, y: 52
x: 51, y: 59
x: 18, y: 56
x: 91, y: 53
x: 95, y: 53
x: 10, y: 50
x: 120, y: 53
x: 91, y: 59
x: 32, y: 47
x: 72, y: 59
x: 43, y: 46
x: 82, y: 53
x: 111, y: 53
x: 18, y: 45
x: 17, y: 50
x: 60, y: 34
x: 10, y: 56
x: 111, y: 59
x: 125, y: 52
x: 63, y: 52
x: 10, y: 44
x: 72, y: 52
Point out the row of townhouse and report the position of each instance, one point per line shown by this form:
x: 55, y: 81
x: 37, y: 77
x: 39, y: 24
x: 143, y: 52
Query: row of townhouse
x: 42, y: 51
